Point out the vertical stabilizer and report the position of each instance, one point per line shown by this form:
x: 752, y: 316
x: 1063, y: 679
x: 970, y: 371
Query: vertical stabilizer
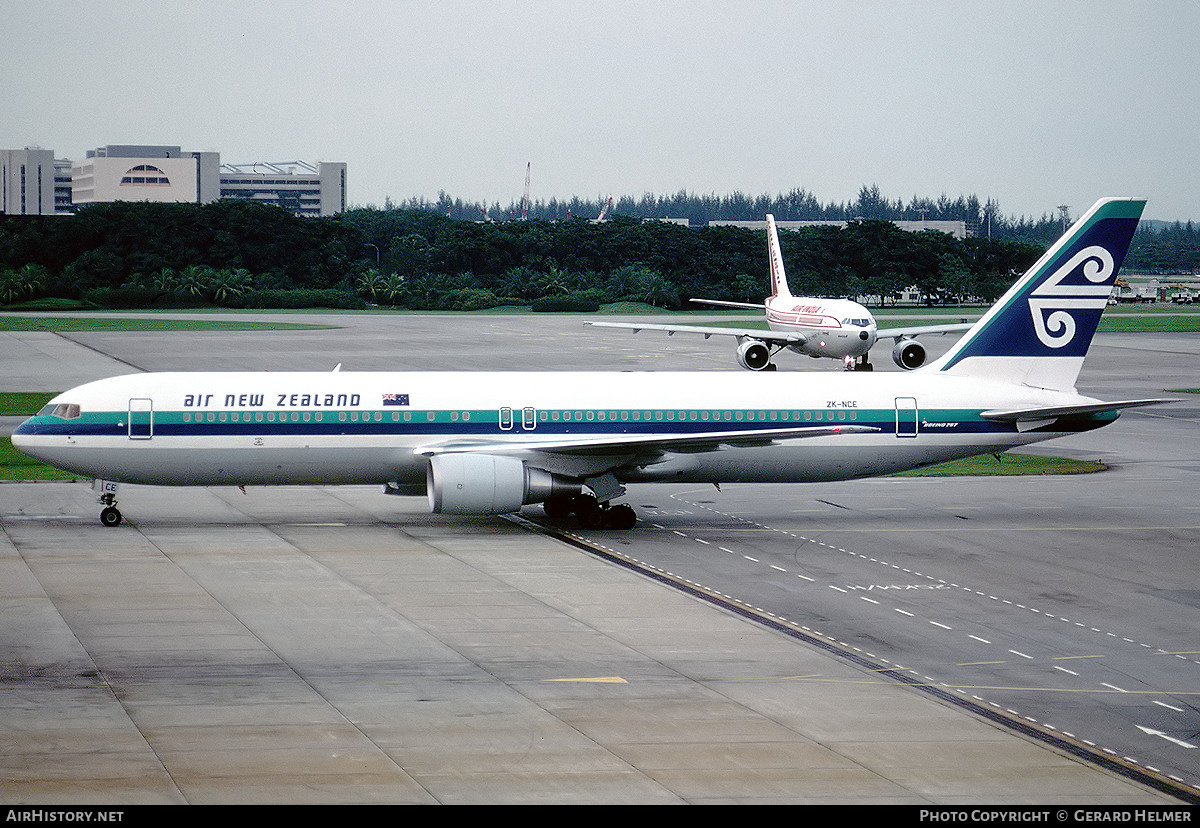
x: 779, y: 285
x: 1038, y: 333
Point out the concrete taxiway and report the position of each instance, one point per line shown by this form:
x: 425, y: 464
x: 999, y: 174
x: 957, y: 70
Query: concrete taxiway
x: 331, y: 645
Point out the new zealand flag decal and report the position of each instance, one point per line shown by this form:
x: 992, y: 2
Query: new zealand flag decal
x: 395, y: 399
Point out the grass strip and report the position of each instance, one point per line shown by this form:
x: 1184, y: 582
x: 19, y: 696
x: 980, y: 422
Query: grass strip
x: 111, y: 323
x: 24, y: 403
x: 984, y: 465
x: 17, y: 466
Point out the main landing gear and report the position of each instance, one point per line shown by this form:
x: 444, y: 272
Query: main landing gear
x: 590, y: 512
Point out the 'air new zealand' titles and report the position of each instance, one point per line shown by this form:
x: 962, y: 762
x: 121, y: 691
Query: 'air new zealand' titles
x: 571, y: 441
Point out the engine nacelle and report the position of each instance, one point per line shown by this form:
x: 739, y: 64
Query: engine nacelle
x: 488, y: 484
x: 753, y: 355
x: 909, y: 354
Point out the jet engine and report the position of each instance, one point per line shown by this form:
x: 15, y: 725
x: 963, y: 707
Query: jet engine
x: 909, y: 354
x: 753, y: 355
x: 489, y: 484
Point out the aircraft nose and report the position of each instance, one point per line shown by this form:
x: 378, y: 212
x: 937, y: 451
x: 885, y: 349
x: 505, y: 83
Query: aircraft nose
x: 24, y: 438
x: 20, y: 437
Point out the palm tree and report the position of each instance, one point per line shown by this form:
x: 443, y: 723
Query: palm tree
x: 10, y: 286
x: 227, y: 284
x: 370, y: 283
x: 394, y: 289
x: 196, y: 279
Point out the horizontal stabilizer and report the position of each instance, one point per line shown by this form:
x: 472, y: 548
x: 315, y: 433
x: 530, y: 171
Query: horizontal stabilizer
x: 1049, y: 413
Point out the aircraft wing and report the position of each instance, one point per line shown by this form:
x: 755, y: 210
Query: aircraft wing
x: 724, y: 304
x: 641, y: 443
x: 902, y: 333
x: 777, y: 337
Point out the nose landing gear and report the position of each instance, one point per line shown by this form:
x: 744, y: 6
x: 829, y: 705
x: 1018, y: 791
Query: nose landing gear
x: 110, y: 515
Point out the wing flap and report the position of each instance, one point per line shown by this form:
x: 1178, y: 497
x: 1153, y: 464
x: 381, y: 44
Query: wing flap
x: 779, y: 337
x: 638, y: 443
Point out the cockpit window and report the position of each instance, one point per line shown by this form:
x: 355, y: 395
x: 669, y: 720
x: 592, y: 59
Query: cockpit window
x: 858, y: 323
x: 66, y: 411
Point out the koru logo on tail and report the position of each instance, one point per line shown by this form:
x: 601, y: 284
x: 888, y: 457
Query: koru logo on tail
x: 1051, y: 302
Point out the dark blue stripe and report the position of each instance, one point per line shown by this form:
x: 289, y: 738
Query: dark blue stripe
x: 483, y: 429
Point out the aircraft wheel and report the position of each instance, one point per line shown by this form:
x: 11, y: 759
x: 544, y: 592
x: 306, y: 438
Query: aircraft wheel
x: 621, y: 516
x: 592, y: 520
x: 557, y: 509
x: 110, y: 516
x: 590, y: 515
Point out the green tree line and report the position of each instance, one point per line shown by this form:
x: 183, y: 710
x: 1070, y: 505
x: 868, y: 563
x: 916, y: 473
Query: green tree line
x: 239, y: 254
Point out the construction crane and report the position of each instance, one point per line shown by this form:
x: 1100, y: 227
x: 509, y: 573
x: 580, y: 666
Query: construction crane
x: 525, y: 199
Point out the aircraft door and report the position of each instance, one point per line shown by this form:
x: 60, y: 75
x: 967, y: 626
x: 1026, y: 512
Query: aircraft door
x: 906, y: 417
x: 508, y: 418
x: 141, y: 419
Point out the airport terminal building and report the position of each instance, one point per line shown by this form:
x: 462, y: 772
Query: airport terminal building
x: 35, y: 183
x: 958, y: 229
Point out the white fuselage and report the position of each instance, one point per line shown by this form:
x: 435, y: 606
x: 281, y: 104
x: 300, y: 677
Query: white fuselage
x: 344, y: 427
x: 834, y: 328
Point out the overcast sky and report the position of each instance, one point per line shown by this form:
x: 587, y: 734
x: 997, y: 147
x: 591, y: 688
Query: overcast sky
x: 1034, y: 104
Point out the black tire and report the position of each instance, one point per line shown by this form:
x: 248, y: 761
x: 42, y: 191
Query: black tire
x: 621, y: 516
x: 110, y: 516
x: 587, y: 511
x: 558, y: 509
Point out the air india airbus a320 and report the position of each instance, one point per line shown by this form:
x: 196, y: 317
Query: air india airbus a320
x: 820, y: 328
